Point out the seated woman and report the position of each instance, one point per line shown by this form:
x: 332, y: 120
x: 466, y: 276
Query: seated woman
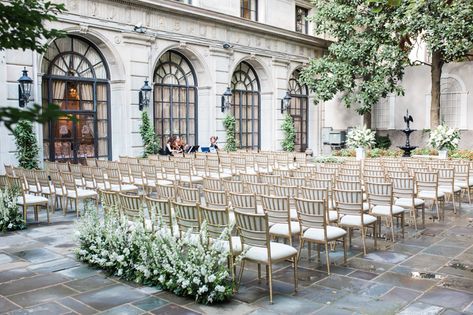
x: 171, y: 146
x: 213, y: 144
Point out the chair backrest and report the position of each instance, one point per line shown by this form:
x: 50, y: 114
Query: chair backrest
x: 282, y: 172
x: 270, y: 179
x: 347, y: 185
x: 212, y: 183
x: 218, y: 219
x: 31, y: 180
x: 136, y: 171
x: 187, y: 217
x: 375, y: 179
x: 215, y: 198
x: 234, y: 186
x: 398, y: 173
x: 68, y: 181
x: 62, y: 167
x: 427, y: 181
x: 144, y: 161
x: 18, y: 183
x: 213, y: 167
x: 166, y: 191
x: 380, y: 194
x: 248, y: 177
x: 57, y: 181
x: 278, y: 209
x: 114, y: 176
x: 320, y: 183
x: 92, y: 162
x: 253, y: 229
x: 446, y: 176
x: 312, y: 214
x: 348, y: 202
x: 259, y: 188
x: 149, y: 173
x: 132, y: 207
x: 103, y: 164
x: 285, y: 191
x: 3, y: 182
x: 295, y: 181
x: 160, y: 209
x: 188, y: 195
x: 312, y: 193
x: 43, y: 178
x: 403, y: 187
x: 75, y: 169
x: 348, y: 178
x: 373, y: 173
x: 124, y: 169
x: 110, y: 201
x: 243, y: 202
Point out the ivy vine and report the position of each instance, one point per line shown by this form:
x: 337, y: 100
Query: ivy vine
x: 229, y: 123
x: 289, y: 132
x: 150, y: 140
x: 27, y: 150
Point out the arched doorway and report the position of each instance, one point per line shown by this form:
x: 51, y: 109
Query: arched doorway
x: 76, y: 77
x: 299, y: 110
x: 175, y: 98
x: 246, y: 105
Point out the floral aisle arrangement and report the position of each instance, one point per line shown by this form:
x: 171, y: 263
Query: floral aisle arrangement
x: 183, y: 266
x: 361, y: 137
x: 444, y: 138
x: 10, y: 218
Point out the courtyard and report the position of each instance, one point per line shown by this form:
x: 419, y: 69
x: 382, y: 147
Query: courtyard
x: 428, y: 272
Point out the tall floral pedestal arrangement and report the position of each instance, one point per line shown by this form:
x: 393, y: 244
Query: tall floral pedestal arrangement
x: 361, y: 138
x: 444, y: 139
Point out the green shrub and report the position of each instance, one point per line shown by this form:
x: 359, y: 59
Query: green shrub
x: 383, y: 142
x: 27, y: 149
x: 289, y: 133
x: 150, y: 140
x: 229, y: 123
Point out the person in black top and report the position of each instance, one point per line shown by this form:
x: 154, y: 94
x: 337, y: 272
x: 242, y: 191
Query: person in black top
x: 213, y: 143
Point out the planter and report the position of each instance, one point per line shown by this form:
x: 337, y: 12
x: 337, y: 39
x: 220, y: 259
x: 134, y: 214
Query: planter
x: 443, y: 154
x: 360, y: 153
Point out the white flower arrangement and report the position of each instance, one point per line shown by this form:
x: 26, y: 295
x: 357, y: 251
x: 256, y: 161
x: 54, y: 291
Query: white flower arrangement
x: 360, y: 137
x: 10, y: 218
x: 444, y: 138
x: 180, y: 265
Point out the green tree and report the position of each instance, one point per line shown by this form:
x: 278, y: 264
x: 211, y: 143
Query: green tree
x: 373, y: 39
x: 27, y: 150
x: 150, y: 140
x: 22, y: 26
x: 289, y: 133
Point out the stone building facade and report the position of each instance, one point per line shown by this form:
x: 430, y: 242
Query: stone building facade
x: 190, y: 51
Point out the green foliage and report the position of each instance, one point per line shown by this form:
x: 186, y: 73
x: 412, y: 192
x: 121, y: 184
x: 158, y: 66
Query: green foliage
x: 10, y: 218
x: 150, y: 140
x: 23, y: 26
x: 27, y: 149
x: 383, y: 142
x: 289, y: 133
x: 373, y: 39
x: 229, y: 123
x: 365, y: 62
x: 186, y: 266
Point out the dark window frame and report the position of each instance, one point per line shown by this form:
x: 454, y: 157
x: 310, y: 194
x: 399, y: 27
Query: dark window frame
x: 248, y: 10
x: 48, y: 79
x: 303, y: 22
x: 300, y: 96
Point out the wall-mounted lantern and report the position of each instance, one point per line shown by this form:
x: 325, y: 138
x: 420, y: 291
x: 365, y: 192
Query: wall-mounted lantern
x: 144, y: 95
x: 24, y: 88
x: 285, y: 102
x: 226, y: 98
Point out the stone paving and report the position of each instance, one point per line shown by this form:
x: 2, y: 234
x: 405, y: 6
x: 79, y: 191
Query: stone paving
x: 429, y: 272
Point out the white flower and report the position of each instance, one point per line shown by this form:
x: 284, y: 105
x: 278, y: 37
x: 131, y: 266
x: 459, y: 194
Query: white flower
x: 212, y: 278
x: 220, y: 288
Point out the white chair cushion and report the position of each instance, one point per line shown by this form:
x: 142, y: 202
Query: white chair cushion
x: 429, y: 194
x: 79, y: 182
x: 283, y: 229
x: 126, y: 180
x: 81, y: 193
x: 355, y: 220
x: 33, y: 188
x: 163, y: 182
x: 332, y: 216
x: 366, y: 206
x: 138, y: 181
x: 294, y: 215
x: 193, y: 179
x: 407, y: 202
x: 31, y: 200
x: 89, y: 184
x: 220, y: 175
x: 278, y: 252
x: 124, y: 187
x: 448, y: 189
x: 462, y: 184
x: 333, y: 233
x: 386, y: 210
x: 47, y: 190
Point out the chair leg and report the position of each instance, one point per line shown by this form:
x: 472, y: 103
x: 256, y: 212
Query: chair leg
x: 423, y: 216
x: 270, y: 283
x: 318, y: 253
x: 327, y: 258
x: 295, y: 274
x: 259, y: 272
x: 242, y: 267
x: 77, y: 207
x: 415, y: 217
x: 363, y: 239
x: 375, y: 240
x: 392, y: 228
x: 345, y: 249
x: 301, y: 245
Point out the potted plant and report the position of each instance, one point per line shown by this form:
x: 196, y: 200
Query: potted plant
x: 444, y: 139
x: 361, y: 138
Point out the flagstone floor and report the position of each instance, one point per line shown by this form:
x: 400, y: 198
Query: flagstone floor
x: 429, y: 272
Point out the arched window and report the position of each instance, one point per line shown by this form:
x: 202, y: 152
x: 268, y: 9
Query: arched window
x: 76, y: 77
x: 175, y: 98
x: 299, y: 110
x: 246, y: 105
x: 450, y: 102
